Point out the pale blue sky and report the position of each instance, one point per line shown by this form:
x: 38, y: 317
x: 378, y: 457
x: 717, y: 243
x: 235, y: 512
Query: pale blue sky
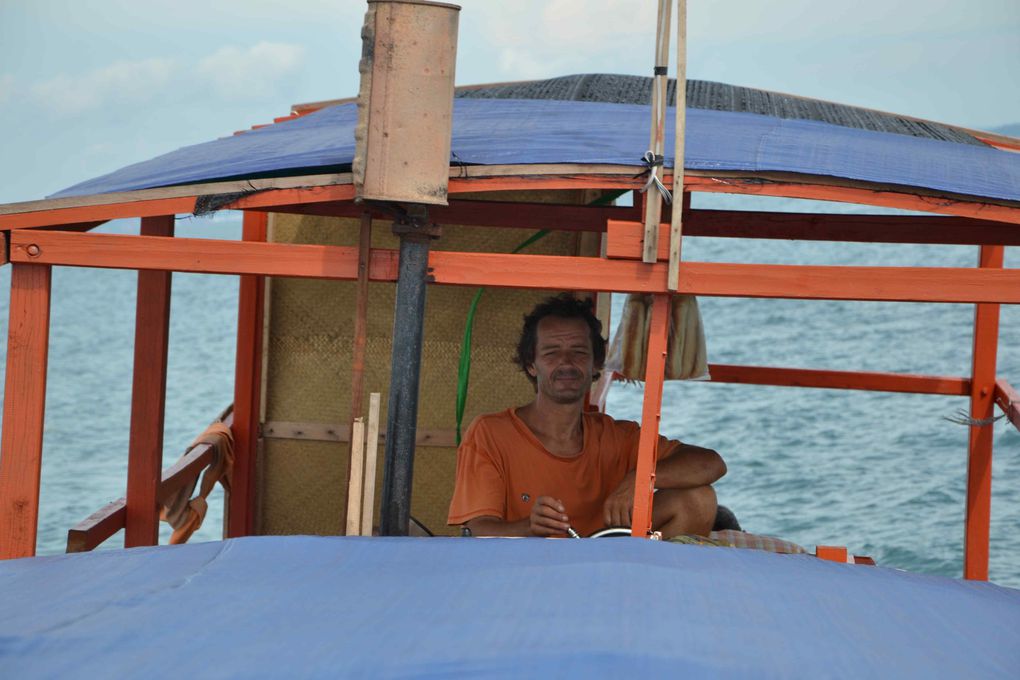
x: 88, y: 87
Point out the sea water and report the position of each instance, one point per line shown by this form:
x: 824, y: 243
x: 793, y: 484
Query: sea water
x: 882, y: 473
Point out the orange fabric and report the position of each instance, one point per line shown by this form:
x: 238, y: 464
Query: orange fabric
x: 186, y: 514
x: 502, y: 468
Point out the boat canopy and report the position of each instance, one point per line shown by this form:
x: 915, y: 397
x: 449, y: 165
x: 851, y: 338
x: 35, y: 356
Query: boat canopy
x: 758, y: 134
x: 307, y: 606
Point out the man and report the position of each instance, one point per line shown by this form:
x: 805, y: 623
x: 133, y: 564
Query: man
x: 549, y: 466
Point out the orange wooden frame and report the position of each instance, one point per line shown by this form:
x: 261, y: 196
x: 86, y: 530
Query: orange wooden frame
x: 24, y: 406
x: 148, y: 396
x: 908, y: 284
x: 247, y: 387
x: 651, y: 412
x: 982, y: 408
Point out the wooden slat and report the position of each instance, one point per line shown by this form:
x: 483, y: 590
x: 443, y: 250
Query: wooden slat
x: 982, y: 407
x: 340, y: 432
x: 24, y: 405
x: 1008, y: 400
x: 148, y: 396
x: 97, y: 527
x: 657, y: 134
x: 844, y: 380
x: 655, y: 370
x: 371, y: 458
x: 681, y: 198
x: 356, y: 479
x: 247, y: 387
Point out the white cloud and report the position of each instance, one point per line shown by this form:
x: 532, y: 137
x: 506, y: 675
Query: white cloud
x: 251, y: 72
x: 123, y: 81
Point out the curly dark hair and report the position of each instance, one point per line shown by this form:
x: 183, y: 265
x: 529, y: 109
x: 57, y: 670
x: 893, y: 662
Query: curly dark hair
x: 564, y: 306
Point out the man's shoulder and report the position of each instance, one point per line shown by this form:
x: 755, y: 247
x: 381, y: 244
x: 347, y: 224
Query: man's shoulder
x: 608, y: 424
x: 496, y: 419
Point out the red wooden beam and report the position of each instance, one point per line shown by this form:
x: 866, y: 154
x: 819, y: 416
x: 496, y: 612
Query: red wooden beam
x: 885, y: 198
x: 148, y: 395
x: 488, y: 214
x: 1008, y: 400
x: 247, y: 388
x: 843, y: 380
x: 648, y: 441
x: 982, y: 407
x: 907, y: 284
x: 24, y: 406
x: 625, y: 235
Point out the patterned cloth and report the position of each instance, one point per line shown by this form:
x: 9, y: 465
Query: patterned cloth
x: 741, y: 539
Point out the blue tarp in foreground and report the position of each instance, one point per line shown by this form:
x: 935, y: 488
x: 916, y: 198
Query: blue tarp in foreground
x: 507, y: 132
x: 325, y: 607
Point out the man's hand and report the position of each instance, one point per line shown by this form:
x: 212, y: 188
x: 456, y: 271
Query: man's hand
x: 618, y: 509
x: 548, y: 517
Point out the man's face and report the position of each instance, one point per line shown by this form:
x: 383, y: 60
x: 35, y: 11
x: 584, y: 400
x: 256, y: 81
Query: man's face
x: 563, y: 359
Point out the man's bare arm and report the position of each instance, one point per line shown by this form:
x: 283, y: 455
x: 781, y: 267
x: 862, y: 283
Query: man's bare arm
x: 547, y: 518
x: 685, y: 467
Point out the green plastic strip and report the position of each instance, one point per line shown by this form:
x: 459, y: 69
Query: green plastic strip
x: 464, y: 368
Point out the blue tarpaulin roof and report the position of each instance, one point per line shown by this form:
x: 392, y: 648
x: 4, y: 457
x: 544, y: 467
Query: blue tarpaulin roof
x: 510, y: 132
x: 376, y: 607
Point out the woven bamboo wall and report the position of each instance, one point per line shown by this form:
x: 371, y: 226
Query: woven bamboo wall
x: 308, y: 352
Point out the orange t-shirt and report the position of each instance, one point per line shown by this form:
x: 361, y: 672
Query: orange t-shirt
x: 502, y: 468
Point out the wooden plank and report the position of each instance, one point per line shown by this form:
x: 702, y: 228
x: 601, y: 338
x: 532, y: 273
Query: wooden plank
x: 24, y: 406
x: 97, y: 527
x: 356, y: 485
x: 655, y: 371
x: 1008, y: 400
x: 843, y: 380
x: 340, y: 432
x: 681, y: 198
x: 982, y: 407
x: 371, y: 458
x: 247, y: 387
x: 657, y: 134
x: 148, y: 396
x: 907, y: 284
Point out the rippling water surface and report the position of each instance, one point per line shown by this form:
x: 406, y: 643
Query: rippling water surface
x: 884, y: 474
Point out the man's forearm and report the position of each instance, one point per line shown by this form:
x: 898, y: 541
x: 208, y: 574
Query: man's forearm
x: 493, y: 526
x: 688, y: 467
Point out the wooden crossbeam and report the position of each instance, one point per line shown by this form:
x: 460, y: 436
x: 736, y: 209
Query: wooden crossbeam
x: 844, y: 380
x: 905, y: 284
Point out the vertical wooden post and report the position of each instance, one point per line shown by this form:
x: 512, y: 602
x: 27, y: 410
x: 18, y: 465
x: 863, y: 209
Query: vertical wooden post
x: 676, y: 223
x: 655, y: 372
x: 247, y: 388
x: 148, y: 396
x: 657, y: 142
x: 982, y: 406
x: 360, y: 337
x: 24, y: 406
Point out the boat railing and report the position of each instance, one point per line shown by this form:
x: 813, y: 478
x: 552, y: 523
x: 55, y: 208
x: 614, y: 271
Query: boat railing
x: 105, y: 522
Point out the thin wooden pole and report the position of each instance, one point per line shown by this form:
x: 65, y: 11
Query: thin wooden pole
x: 148, y: 396
x: 360, y: 332
x: 982, y: 407
x: 247, y: 387
x: 355, y: 489
x: 657, y: 143
x: 679, y: 197
x: 24, y: 407
x: 655, y: 372
x: 371, y: 457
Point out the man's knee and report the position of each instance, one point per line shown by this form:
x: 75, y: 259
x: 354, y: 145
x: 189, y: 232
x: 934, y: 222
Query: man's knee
x: 679, y: 511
